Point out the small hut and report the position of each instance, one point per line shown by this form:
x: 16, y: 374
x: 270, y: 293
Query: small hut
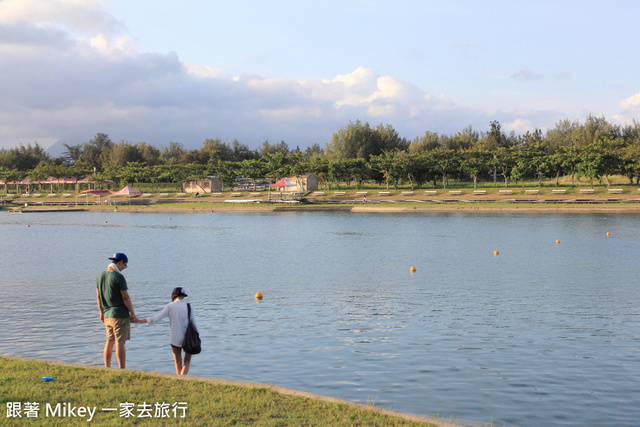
x: 210, y: 184
x: 301, y: 183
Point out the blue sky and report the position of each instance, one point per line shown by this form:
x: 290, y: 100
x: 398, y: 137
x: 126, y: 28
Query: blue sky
x: 161, y: 71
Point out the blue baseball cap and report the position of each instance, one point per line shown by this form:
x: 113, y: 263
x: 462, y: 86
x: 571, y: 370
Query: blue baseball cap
x: 119, y: 256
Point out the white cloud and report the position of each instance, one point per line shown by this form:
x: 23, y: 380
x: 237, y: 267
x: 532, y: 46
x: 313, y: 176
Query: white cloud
x: 84, y: 16
x: 519, y: 126
x: 631, y: 102
x: 113, y: 49
x: 205, y: 71
x: 71, y: 75
x: 526, y: 74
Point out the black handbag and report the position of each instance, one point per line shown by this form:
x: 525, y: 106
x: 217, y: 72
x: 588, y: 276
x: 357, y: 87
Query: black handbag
x: 191, y: 343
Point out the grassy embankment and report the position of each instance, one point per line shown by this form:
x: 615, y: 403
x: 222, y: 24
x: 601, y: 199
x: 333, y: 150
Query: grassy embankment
x: 207, y: 403
x: 457, y: 196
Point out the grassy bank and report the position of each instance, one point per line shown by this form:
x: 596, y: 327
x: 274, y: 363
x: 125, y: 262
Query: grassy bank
x: 206, y: 402
x: 575, y: 199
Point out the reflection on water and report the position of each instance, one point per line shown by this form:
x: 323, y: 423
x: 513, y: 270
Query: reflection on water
x: 544, y: 333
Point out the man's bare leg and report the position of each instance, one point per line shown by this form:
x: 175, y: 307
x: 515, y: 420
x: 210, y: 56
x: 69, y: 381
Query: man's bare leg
x: 106, y: 353
x: 120, y: 354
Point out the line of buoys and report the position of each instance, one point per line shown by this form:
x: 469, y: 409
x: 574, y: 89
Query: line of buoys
x: 258, y: 295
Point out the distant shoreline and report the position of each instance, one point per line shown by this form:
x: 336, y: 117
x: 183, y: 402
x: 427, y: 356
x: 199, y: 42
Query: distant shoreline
x: 355, y: 208
x: 517, y: 200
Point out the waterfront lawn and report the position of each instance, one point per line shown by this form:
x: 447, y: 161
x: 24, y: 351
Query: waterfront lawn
x: 207, y: 403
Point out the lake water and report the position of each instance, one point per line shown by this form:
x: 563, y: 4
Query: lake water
x: 542, y: 334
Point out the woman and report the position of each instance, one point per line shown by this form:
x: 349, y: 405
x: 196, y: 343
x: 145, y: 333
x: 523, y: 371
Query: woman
x: 178, y: 321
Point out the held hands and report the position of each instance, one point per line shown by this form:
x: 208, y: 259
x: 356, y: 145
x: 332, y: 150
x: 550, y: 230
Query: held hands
x: 134, y: 319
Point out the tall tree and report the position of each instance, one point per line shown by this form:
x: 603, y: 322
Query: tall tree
x: 598, y: 128
x: 564, y: 133
x: 267, y: 148
x: 275, y: 163
x: 494, y: 139
x: 474, y: 162
x: 73, y: 153
x: 358, y: 140
x: 122, y: 153
x: 214, y: 150
x: 7, y: 175
x: 150, y: 154
x: 338, y: 171
x: 388, y: 165
x: 428, y: 141
x: 173, y: 153
x: 242, y: 152
x: 630, y: 162
x: 96, y: 151
x: 568, y: 160
x: 23, y: 158
x: 463, y: 140
x: 505, y: 159
x: 444, y: 161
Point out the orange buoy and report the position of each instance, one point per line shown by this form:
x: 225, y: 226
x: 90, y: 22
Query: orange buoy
x: 412, y: 269
x: 496, y: 252
x: 557, y: 241
x: 258, y: 295
x: 608, y: 234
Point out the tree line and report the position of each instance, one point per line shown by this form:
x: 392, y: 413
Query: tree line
x: 358, y: 152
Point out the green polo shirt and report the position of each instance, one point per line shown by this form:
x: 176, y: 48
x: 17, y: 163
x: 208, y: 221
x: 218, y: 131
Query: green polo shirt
x: 110, y: 284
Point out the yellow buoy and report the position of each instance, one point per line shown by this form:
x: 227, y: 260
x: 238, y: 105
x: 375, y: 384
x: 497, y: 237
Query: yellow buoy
x: 608, y: 234
x: 258, y: 295
x: 557, y: 241
x: 412, y: 269
x: 496, y: 252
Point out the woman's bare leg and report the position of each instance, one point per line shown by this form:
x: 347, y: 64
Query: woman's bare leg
x: 177, y: 358
x: 187, y: 363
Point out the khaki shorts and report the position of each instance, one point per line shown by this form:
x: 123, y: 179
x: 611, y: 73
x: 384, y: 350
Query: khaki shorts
x: 118, y: 329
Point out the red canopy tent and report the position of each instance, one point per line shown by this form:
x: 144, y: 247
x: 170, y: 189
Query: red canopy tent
x: 282, y: 183
x: 127, y: 191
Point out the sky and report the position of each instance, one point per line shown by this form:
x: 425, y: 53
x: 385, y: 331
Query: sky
x: 296, y: 71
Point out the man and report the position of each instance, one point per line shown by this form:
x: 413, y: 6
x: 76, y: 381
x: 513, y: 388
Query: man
x: 116, y: 309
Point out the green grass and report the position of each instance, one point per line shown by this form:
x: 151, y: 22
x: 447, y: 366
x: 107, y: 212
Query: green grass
x: 206, y: 403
